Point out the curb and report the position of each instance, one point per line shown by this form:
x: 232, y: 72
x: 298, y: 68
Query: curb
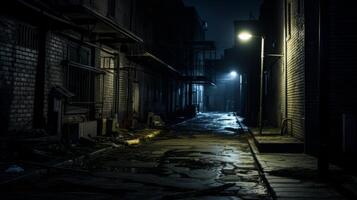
x: 254, y: 151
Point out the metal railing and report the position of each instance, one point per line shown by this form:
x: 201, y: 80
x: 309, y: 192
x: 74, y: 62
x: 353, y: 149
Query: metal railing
x: 285, y: 127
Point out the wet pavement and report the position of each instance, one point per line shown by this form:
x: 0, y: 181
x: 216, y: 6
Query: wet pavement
x: 178, y: 164
x: 212, y: 122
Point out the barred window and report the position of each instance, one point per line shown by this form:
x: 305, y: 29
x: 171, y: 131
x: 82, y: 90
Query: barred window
x: 79, y: 54
x: 80, y: 79
x: 26, y: 36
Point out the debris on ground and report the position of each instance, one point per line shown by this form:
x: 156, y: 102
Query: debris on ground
x: 43, y: 152
x: 155, y: 120
x: 14, y: 169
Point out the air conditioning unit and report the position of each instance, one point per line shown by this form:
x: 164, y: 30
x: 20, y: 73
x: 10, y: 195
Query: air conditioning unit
x: 87, y: 129
x: 73, y: 131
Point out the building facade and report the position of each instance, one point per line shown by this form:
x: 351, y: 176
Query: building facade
x: 91, y: 65
x: 316, y: 72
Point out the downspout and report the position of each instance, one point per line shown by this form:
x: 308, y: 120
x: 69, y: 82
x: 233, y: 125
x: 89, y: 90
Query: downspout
x: 117, y: 59
x: 39, y: 120
x: 285, y: 61
x: 131, y: 14
x: 323, y: 160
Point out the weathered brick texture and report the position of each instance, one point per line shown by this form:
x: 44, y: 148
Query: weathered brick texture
x: 17, y: 78
x: 107, y: 85
x: 56, y: 52
x: 296, y: 70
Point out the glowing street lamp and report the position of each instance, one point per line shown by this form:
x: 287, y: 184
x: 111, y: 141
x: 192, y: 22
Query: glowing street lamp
x: 245, y: 36
x: 233, y: 74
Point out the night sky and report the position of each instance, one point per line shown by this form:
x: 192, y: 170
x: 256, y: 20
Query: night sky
x: 220, y: 15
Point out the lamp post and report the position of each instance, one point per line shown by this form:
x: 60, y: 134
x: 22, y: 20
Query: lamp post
x: 246, y: 36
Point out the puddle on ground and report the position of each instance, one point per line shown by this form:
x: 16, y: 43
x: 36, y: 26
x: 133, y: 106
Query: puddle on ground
x: 213, y: 122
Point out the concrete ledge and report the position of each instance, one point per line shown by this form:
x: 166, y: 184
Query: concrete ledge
x: 279, y: 144
x: 272, y: 142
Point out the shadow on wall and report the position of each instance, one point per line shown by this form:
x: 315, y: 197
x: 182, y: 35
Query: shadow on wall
x: 6, y: 78
x: 6, y: 89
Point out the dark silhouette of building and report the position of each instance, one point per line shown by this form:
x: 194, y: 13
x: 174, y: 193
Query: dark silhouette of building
x: 87, y: 66
x: 312, y: 86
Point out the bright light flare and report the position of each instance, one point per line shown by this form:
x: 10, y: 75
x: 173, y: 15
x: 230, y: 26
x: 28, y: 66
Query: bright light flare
x: 245, y: 36
x: 233, y: 74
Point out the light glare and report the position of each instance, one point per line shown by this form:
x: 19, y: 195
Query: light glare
x: 245, y: 36
x: 233, y: 74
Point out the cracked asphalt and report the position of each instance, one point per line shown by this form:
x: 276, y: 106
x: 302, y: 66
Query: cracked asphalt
x: 203, y: 158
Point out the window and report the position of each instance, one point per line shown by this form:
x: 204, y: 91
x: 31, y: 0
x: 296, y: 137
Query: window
x: 26, y: 36
x: 80, y: 82
x: 107, y: 62
x: 79, y: 54
x: 79, y: 78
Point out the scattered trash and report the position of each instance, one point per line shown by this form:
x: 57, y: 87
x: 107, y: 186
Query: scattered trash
x: 14, y: 169
x: 133, y: 141
x: 155, y: 120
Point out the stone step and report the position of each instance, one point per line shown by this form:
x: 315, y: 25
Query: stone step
x: 278, y: 144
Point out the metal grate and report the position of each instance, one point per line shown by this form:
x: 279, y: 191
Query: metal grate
x: 81, y: 83
x: 26, y: 36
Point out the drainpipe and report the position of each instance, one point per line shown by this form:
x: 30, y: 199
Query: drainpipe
x: 285, y: 62
x: 323, y: 160
x: 39, y: 120
x: 261, y: 86
x: 131, y: 15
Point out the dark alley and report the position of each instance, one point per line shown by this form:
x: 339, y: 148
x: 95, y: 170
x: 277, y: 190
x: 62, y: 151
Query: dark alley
x: 178, y: 99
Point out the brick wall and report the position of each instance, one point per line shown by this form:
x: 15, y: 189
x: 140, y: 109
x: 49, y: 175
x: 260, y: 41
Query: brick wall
x: 123, y: 89
x: 18, y: 61
x: 311, y: 78
x: 56, y: 50
x: 295, y: 69
x: 107, y: 62
x: 342, y: 62
x: 340, y: 69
